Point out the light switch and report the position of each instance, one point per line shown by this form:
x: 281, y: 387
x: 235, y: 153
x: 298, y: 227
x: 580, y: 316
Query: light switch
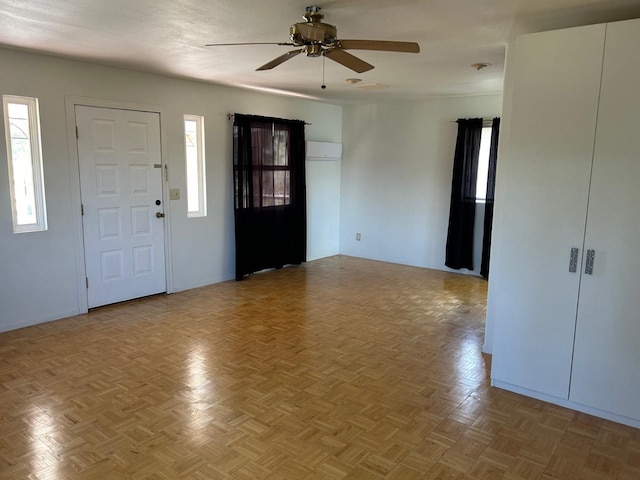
x: 174, y: 194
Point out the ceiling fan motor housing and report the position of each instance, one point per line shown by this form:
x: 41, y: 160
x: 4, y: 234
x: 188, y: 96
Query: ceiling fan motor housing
x: 313, y: 31
x: 310, y: 33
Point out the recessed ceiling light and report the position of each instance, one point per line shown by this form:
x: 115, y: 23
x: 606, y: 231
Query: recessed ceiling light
x: 353, y: 81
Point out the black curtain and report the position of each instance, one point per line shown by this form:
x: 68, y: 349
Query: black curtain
x: 270, y: 193
x: 459, y: 252
x: 491, y: 190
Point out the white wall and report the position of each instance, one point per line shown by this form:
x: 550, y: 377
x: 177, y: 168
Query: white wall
x: 323, y: 209
x: 41, y: 274
x: 397, y: 164
x: 501, y: 180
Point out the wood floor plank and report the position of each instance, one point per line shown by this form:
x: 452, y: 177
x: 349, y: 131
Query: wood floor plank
x: 341, y: 368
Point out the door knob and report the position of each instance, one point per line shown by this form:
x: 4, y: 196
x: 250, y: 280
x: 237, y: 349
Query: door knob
x: 159, y: 215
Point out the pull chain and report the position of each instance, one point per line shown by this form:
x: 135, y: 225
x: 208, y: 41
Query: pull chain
x: 323, y: 86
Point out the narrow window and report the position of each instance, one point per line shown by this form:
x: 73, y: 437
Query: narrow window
x: 196, y: 178
x: 24, y: 157
x: 483, y: 165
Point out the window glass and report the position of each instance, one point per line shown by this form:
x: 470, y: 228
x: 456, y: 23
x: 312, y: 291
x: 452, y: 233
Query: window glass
x: 483, y: 165
x: 22, y: 129
x: 195, y: 166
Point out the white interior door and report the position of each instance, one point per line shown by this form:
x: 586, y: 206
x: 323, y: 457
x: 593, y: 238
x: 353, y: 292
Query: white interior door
x: 544, y: 195
x: 121, y: 188
x: 606, y: 369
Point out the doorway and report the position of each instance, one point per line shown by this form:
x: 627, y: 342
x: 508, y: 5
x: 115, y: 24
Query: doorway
x: 119, y: 153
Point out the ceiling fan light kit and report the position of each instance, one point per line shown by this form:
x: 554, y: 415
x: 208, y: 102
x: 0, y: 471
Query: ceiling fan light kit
x: 315, y: 38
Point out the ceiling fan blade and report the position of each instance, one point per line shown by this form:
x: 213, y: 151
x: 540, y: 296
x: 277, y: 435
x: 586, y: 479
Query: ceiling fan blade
x: 245, y: 43
x: 281, y: 59
x: 348, y: 60
x: 406, y: 47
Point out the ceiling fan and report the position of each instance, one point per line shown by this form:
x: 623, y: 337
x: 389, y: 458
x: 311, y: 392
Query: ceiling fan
x: 315, y: 38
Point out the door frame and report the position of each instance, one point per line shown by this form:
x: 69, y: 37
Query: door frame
x: 76, y: 199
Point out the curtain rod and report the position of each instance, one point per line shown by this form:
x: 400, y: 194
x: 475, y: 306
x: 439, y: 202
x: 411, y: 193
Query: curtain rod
x: 231, y: 116
x: 483, y: 119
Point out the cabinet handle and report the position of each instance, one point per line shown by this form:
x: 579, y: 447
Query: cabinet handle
x: 573, y: 260
x: 588, y: 268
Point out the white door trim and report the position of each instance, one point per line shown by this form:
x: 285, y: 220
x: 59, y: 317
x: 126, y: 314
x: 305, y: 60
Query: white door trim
x: 74, y: 168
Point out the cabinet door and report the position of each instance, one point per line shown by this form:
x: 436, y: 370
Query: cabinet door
x: 545, y: 174
x: 606, y: 371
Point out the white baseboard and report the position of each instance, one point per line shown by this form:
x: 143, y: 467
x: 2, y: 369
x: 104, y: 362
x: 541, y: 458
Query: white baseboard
x: 632, y: 422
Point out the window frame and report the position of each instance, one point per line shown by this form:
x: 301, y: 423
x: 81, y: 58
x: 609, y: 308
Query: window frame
x: 201, y: 183
x: 37, y: 167
x: 278, y: 154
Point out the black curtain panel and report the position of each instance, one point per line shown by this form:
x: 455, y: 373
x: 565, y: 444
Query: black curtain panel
x: 270, y: 193
x: 459, y: 251
x: 491, y: 190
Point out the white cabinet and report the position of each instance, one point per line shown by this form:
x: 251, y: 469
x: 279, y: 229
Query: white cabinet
x: 553, y: 121
x: 606, y: 366
x: 560, y: 335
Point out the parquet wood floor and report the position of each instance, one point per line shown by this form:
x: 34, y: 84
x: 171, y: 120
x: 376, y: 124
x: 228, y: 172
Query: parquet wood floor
x: 339, y: 369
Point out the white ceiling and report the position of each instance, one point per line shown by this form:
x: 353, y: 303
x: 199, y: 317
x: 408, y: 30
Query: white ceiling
x: 168, y: 37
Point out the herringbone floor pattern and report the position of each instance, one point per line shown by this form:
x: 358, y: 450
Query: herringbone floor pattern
x: 339, y: 369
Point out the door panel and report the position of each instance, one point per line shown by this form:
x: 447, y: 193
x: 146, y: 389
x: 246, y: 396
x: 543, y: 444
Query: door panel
x: 544, y: 194
x: 606, y: 373
x: 121, y: 186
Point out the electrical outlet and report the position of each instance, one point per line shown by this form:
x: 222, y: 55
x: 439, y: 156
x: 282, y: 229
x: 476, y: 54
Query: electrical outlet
x: 358, y: 236
x: 174, y: 194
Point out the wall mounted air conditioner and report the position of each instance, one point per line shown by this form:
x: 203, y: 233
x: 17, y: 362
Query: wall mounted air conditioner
x: 327, y: 151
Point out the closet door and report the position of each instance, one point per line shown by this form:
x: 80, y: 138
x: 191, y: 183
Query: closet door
x: 606, y: 371
x: 545, y: 175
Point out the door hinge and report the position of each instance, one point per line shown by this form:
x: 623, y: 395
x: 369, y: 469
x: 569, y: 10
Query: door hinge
x: 77, y: 136
x: 87, y: 281
x: 82, y: 209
